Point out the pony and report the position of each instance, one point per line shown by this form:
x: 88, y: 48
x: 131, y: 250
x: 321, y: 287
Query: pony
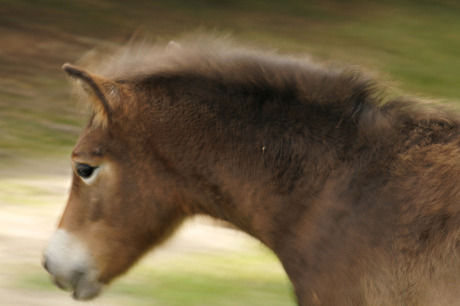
x: 356, y: 192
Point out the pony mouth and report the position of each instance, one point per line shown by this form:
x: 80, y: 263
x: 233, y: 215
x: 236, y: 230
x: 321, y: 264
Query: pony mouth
x: 87, y: 294
x: 79, y: 288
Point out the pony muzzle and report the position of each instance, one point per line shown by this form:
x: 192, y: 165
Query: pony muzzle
x: 71, y: 266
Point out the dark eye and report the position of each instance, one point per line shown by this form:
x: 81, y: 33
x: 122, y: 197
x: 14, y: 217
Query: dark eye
x: 84, y: 170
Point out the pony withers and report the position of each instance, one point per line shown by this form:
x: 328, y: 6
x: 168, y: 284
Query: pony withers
x: 355, y: 193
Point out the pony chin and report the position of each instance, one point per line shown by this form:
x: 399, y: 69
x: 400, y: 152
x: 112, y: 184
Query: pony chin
x: 71, y: 266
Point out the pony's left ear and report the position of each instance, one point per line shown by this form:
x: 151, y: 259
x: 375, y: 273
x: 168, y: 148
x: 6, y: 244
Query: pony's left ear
x: 104, y: 94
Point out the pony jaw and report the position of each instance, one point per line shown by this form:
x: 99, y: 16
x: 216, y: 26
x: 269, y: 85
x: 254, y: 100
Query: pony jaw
x: 71, y: 266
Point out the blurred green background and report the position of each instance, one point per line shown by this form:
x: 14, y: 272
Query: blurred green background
x: 412, y: 45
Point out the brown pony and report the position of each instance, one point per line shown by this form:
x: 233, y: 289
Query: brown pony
x: 357, y: 195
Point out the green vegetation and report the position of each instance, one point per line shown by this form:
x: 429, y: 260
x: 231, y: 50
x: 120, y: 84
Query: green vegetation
x: 250, y: 278
x: 412, y: 43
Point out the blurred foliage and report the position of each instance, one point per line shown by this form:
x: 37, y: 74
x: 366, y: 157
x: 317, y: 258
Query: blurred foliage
x: 413, y: 43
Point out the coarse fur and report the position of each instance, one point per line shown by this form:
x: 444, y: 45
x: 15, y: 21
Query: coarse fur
x: 355, y: 193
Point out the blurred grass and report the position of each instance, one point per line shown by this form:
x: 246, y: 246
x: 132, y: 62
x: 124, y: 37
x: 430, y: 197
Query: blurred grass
x: 235, y: 279
x: 415, y: 44
x: 33, y: 191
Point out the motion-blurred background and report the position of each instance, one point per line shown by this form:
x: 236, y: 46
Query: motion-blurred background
x: 413, y: 43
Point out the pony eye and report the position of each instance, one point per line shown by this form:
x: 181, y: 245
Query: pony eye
x: 84, y: 170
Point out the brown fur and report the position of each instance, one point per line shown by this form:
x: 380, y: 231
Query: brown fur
x: 357, y: 196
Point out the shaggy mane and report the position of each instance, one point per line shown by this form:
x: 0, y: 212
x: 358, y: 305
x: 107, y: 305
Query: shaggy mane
x: 337, y: 89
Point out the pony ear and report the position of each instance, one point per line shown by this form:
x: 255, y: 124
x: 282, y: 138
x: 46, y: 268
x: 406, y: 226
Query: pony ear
x: 104, y: 94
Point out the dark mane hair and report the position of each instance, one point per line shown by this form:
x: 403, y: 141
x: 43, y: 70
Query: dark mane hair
x: 343, y: 93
